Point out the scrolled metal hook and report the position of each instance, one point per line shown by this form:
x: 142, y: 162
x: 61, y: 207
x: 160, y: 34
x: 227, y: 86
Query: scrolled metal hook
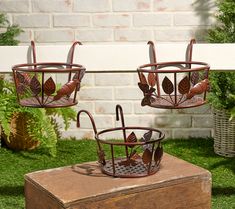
x: 91, y: 119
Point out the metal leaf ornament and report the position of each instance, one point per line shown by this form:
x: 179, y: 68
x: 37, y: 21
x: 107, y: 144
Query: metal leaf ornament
x: 131, y: 139
x: 66, y: 89
x: 147, y: 156
x: 158, y: 154
x: 49, y: 86
x: 151, y: 79
x: 146, y: 137
x: 147, y: 93
x: 23, y: 78
x: 194, y: 77
x: 167, y: 85
x: 20, y: 88
x: 35, y: 86
x: 184, y: 85
x: 143, y: 79
x: 20, y: 78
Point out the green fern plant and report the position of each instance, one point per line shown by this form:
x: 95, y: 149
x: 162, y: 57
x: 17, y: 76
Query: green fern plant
x: 39, y: 120
x: 222, y: 94
x: 8, y: 37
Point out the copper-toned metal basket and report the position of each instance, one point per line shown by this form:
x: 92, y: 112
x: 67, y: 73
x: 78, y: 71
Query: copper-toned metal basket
x: 139, y: 154
x: 47, y: 84
x: 50, y: 84
x: 173, y: 85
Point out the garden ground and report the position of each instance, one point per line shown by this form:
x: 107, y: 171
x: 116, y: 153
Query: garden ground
x: 199, y: 151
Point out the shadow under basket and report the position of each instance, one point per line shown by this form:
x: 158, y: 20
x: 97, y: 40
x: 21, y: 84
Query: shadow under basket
x: 47, y: 84
x: 224, y: 133
x: 133, y: 157
x: 174, y: 85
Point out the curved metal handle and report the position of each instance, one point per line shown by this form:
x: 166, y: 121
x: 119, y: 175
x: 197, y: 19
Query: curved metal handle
x: 120, y: 111
x: 91, y: 119
x: 72, y: 51
x: 34, y: 51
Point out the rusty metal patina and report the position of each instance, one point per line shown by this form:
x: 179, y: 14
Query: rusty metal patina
x: 173, y: 85
x: 142, y: 149
x: 50, y: 84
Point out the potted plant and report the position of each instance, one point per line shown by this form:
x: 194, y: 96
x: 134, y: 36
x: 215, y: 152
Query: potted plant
x: 23, y: 128
x: 222, y: 94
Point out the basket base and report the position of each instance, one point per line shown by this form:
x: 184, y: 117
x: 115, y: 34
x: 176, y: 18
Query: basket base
x: 49, y: 103
x: 139, y: 169
x: 167, y: 102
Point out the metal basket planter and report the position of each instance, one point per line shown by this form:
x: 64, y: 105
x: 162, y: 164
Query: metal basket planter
x: 47, y: 84
x: 173, y: 85
x: 51, y: 84
x: 141, y: 149
x: 224, y: 133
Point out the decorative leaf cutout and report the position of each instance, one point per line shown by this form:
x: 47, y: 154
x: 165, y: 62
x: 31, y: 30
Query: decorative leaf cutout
x: 20, y: 77
x: 35, y: 86
x: 128, y: 162
x: 131, y: 139
x: 143, y: 80
x: 81, y: 74
x: 184, y: 85
x: 49, y: 86
x: 76, y: 76
x: 151, y: 79
x: 27, y: 78
x: 147, y: 136
x: 158, y: 154
x: 66, y: 89
x: 194, y: 77
x: 21, y: 88
x: 167, y: 85
x: 146, y: 101
x: 144, y: 87
x: 147, y: 156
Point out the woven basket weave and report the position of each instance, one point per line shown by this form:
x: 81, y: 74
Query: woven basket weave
x: 224, y: 134
x: 19, y: 138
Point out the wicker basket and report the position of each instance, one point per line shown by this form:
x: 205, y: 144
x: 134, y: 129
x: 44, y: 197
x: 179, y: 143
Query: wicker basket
x: 19, y: 138
x: 224, y: 134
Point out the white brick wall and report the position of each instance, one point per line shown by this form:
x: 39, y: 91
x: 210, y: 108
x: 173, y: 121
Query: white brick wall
x: 108, y: 21
x: 123, y: 20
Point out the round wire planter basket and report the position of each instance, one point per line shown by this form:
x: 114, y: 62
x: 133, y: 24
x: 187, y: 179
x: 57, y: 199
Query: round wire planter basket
x: 138, y: 154
x: 174, y: 85
x: 47, y: 84
x: 142, y: 156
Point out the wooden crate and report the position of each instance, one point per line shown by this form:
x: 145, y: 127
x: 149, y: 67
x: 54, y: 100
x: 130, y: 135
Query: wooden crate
x: 178, y: 184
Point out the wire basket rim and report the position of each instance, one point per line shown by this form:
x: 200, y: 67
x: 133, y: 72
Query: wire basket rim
x: 160, y: 138
x: 69, y: 67
x: 205, y: 66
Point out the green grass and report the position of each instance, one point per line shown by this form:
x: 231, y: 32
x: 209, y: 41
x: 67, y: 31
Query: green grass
x: 13, y: 166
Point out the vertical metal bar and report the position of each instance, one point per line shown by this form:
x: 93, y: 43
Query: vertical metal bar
x: 175, y: 86
x: 43, y: 74
x: 150, y: 164
x: 113, y: 165
x: 153, y: 59
x: 118, y: 107
x: 14, y: 76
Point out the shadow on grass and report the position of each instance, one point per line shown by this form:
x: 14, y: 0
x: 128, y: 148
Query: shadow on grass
x: 228, y: 163
x: 11, y: 190
x: 223, y: 191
